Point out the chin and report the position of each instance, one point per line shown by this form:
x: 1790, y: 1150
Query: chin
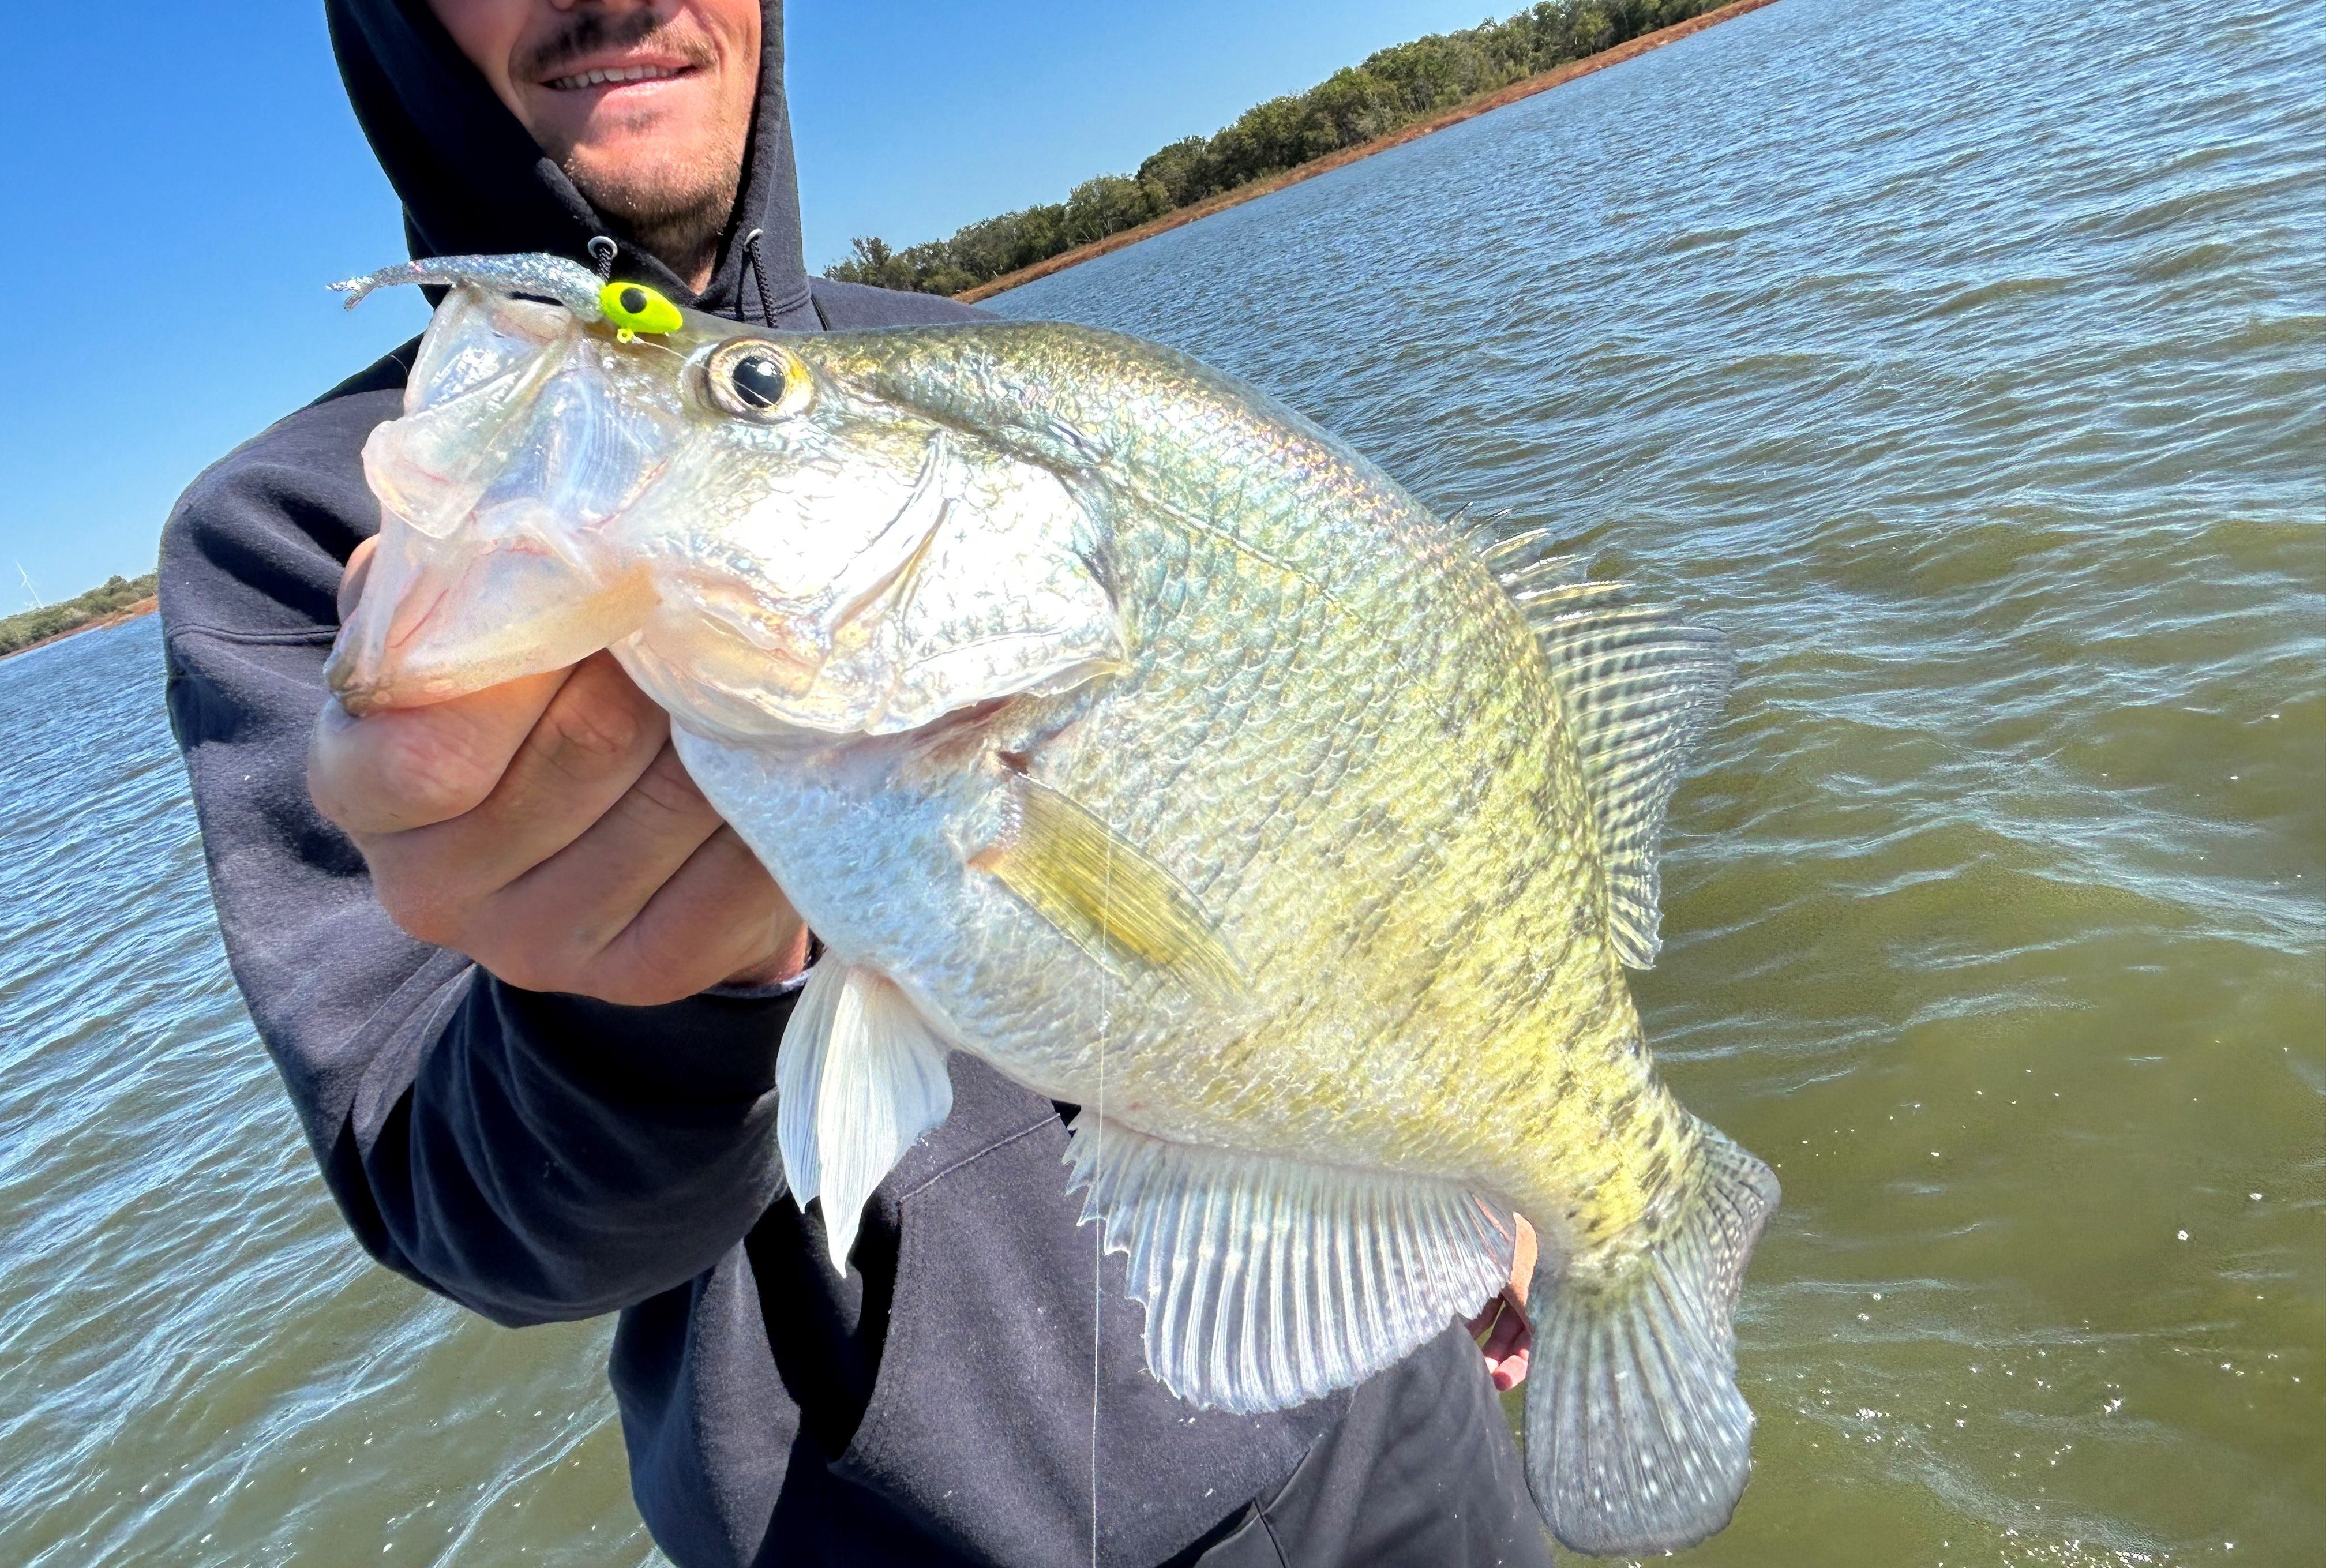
x: 645, y: 180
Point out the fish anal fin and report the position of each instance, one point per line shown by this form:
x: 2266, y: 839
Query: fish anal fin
x: 1640, y: 685
x: 1638, y: 1441
x: 1268, y: 1282
x: 859, y: 1078
x: 1109, y: 899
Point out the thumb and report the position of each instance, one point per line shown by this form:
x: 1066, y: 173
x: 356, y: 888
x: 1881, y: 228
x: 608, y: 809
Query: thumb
x: 351, y: 581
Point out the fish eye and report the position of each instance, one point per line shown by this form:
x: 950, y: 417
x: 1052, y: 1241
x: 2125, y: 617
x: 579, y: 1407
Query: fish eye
x: 758, y: 380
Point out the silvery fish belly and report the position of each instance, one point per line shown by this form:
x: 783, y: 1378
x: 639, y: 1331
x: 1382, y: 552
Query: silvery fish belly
x: 1118, y: 726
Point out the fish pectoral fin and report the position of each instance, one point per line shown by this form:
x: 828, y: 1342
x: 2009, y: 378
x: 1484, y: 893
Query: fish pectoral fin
x: 859, y: 1078
x: 1637, y: 1439
x: 1640, y: 684
x: 1268, y: 1282
x: 1113, y: 901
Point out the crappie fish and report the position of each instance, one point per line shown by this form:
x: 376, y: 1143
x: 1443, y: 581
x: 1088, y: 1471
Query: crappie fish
x: 1118, y: 726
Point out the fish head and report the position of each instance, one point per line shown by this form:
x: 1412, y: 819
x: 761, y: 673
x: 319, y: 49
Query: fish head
x: 763, y: 532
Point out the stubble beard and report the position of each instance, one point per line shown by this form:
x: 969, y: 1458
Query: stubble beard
x: 675, y: 211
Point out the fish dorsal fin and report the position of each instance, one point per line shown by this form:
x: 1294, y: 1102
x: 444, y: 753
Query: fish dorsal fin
x: 861, y: 1076
x: 1640, y: 684
x: 1267, y: 1282
x: 1114, y: 902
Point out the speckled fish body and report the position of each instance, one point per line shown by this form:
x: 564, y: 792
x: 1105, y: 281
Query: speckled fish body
x: 1333, y: 729
x: 1115, y: 725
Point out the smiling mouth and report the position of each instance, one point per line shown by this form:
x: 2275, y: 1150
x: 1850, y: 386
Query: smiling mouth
x: 616, y: 76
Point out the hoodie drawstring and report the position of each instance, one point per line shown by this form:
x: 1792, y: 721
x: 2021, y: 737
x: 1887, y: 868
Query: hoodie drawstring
x: 603, y: 250
x: 752, y: 259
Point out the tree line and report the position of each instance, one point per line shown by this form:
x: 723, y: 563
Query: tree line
x: 1391, y: 90
x: 21, y: 630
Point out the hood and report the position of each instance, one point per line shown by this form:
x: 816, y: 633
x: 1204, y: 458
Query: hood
x: 472, y: 181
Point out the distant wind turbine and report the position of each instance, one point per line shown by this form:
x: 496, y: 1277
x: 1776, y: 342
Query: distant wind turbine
x: 29, y: 592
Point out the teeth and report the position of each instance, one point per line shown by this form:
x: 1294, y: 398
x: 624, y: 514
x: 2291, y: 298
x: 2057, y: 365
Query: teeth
x: 601, y: 78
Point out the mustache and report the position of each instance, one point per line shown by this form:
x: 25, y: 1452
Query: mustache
x: 588, y: 30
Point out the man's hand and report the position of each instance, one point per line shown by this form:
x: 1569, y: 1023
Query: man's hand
x: 1501, y: 1330
x: 547, y: 829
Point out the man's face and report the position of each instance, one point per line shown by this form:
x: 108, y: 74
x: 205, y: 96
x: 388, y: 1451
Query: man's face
x: 647, y: 104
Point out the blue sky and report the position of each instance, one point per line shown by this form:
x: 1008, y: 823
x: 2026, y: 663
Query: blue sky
x: 179, y: 195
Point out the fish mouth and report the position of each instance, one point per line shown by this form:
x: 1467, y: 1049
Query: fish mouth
x: 494, y: 500
x: 428, y: 629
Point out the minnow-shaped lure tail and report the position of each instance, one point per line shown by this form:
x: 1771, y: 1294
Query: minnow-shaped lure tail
x: 549, y: 277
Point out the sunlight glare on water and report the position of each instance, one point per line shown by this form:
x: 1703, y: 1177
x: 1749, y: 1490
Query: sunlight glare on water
x: 1965, y: 363
x: 202, y: 1368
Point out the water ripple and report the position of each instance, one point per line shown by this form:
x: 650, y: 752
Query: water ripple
x: 1963, y: 362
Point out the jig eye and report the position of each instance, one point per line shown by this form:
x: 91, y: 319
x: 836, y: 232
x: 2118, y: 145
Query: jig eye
x: 758, y: 380
x: 634, y: 308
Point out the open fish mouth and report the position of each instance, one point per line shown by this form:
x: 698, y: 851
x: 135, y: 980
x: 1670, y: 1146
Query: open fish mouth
x: 514, y: 454
x: 410, y: 640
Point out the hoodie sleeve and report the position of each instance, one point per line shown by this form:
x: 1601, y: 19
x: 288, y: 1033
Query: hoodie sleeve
x: 532, y: 1157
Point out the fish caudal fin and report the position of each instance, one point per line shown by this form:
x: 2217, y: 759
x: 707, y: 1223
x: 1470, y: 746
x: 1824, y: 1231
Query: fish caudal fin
x: 1268, y: 1284
x: 859, y: 1079
x: 1640, y: 684
x: 1637, y: 1439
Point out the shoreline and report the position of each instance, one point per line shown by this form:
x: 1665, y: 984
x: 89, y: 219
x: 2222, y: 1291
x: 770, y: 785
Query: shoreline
x: 127, y: 612
x: 1485, y: 103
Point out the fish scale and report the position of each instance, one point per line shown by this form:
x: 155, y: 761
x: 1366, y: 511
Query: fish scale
x: 1116, y: 725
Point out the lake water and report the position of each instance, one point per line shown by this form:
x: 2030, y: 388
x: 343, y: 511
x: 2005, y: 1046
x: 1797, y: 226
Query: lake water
x: 1969, y: 364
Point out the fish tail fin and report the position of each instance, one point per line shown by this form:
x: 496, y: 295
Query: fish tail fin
x: 1637, y: 1439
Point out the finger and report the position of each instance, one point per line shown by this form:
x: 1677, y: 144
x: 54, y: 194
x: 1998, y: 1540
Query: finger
x: 1511, y: 1371
x: 1508, y: 1334
x: 787, y: 962
x: 718, y: 914
x: 399, y: 769
x: 578, y: 901
x: 592, y: 751
x: 356, y: 573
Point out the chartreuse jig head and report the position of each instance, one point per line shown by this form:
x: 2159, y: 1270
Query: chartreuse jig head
x: 634, y: 308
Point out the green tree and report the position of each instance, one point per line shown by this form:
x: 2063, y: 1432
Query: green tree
x: 1390, y: 89
x: 21, y: 630
x: 1111, y: 204
x: 1181, y: 168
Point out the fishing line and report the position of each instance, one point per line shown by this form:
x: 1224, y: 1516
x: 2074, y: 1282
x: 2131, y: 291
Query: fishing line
x: 1098, y: 1134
